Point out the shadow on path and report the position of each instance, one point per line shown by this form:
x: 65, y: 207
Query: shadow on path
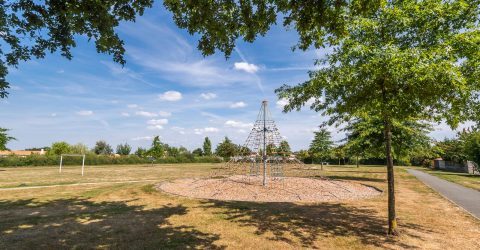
x: 84, y: 224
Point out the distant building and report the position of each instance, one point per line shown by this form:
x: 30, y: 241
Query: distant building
x: 21, y: 153
x: 466, y: 167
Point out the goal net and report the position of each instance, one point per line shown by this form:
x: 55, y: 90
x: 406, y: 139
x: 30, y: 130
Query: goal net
x: 73, y: 155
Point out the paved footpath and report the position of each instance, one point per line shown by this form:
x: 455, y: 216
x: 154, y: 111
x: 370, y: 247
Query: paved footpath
x: 467, y: 198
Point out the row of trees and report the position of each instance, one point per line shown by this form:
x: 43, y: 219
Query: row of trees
x: 410, y: 140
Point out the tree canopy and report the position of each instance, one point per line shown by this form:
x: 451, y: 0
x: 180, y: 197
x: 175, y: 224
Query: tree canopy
x: 102, y: 148
x: 207, y: 146
x: 321, y: 145
x: 4, y: 138
x: 407, y: 60
x: 31, y: 29
x: 365, y: 137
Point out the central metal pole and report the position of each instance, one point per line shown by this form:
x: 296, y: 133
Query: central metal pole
x: 264, y: 104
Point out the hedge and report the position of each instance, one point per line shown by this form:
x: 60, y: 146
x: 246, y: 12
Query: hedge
x: 44, y: 160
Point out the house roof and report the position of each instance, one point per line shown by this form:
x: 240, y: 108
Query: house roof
x: 20, y: 152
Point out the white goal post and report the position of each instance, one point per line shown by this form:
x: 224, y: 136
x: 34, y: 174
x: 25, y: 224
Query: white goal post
x: 61, y: 161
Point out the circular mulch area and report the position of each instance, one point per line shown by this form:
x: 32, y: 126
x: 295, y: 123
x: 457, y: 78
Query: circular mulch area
x: 286, y: 189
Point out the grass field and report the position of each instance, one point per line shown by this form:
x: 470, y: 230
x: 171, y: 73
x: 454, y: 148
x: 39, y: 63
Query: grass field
x: 107, y: 209
x: 467, y: 180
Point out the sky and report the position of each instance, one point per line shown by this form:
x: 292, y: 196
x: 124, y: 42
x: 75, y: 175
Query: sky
x: 167, y: 88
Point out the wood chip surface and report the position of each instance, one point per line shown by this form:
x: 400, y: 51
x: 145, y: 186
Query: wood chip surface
x: 285, y: 189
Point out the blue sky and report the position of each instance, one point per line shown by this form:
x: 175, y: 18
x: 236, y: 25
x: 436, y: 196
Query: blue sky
x: 167, y: 88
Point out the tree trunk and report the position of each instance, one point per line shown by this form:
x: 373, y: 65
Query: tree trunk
x: 392, y: 220
x: 321, y: 164
x: 357, y: 162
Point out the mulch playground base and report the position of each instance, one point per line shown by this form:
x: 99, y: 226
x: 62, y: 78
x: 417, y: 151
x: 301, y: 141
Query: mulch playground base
x: 284, y: 189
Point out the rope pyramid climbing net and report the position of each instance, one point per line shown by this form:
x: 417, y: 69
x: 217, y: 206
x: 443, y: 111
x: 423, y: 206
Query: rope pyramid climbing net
x: 262, y: 156
x: 264, y: 172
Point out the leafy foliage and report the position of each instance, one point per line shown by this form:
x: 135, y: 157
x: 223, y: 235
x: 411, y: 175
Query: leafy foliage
x: 124, y: 149
x: 226, y: 148
x: 102, y: 148
x: 59, y: 148
x: 365, y: 137
x: 321, y: 145
x: 207, y: 146
x: 221, y: 23
x: 30, y: 29
x: 158, y: 148
x: 4, y: 138
x: 284, y: 148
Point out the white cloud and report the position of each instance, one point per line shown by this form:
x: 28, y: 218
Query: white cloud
x: 180, y: 130
x: 164, y: 114
x: 155, y: 127
x: 247, y: 67
x: 200, y: 131
x: 208, y: 96
x: 142, y: 138
x: 53, y: 114
x: 85, y: 112
x: 146, y: 114
x: 125, y: 114
x: 158, y: 122
x: 237, y: 124
x: 132, y: 106
x: 170, y: 96
x: 238, y: 105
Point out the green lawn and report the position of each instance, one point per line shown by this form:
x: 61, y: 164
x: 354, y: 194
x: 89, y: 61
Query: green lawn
x: 467, y: 180
x: 105, y: 209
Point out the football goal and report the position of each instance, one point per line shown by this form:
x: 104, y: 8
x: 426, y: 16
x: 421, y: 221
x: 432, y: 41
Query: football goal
x: 74, y: 155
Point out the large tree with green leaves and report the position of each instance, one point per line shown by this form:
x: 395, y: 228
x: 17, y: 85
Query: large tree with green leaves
x: 226, y: 148
x: 408, y: 60
x: 321, y: 145
x: 394, y: 58
x: 4, y: 138
x: 31, y: 29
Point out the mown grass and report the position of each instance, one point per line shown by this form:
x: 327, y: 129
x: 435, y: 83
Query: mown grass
x: 137, y: 216
x: 464, y: 179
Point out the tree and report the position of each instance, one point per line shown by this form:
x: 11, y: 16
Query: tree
x: 102, y: 148
x: 226, y: 148
x: 78, y: 148
x: 338, y: 152
x: 284, y: 148
x: 140, y: 152
x: 400, y: 62
x: 30, y: 29
x: 158, y: 148
x: 59, y: 148
x: 124, y: 149
x: 197, y: 152
x: 321, y: 145
x: 4, y: 138
x: 472, y: 146
x: 207, y: 147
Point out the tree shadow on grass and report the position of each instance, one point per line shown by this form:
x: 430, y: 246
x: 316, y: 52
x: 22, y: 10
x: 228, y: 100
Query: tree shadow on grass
x: 307, y: 223
x: 355, y: 178
x: 84, y: 224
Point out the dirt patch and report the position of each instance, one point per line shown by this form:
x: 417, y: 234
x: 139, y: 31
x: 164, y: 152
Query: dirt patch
x: 286, y: 189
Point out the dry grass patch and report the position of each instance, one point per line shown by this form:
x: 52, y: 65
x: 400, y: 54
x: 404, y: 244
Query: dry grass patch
x: 133, y: 216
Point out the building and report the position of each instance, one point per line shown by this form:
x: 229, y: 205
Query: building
x: 21, y: 153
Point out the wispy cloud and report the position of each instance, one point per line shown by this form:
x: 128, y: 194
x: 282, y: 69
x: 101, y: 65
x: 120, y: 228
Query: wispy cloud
x: 171, y: 96
x: 208, y: 96
x: 200, y: 131
x: 236, y: 105
x: 85, y: 112
x: 146, y: 114
x: 238, y: 124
